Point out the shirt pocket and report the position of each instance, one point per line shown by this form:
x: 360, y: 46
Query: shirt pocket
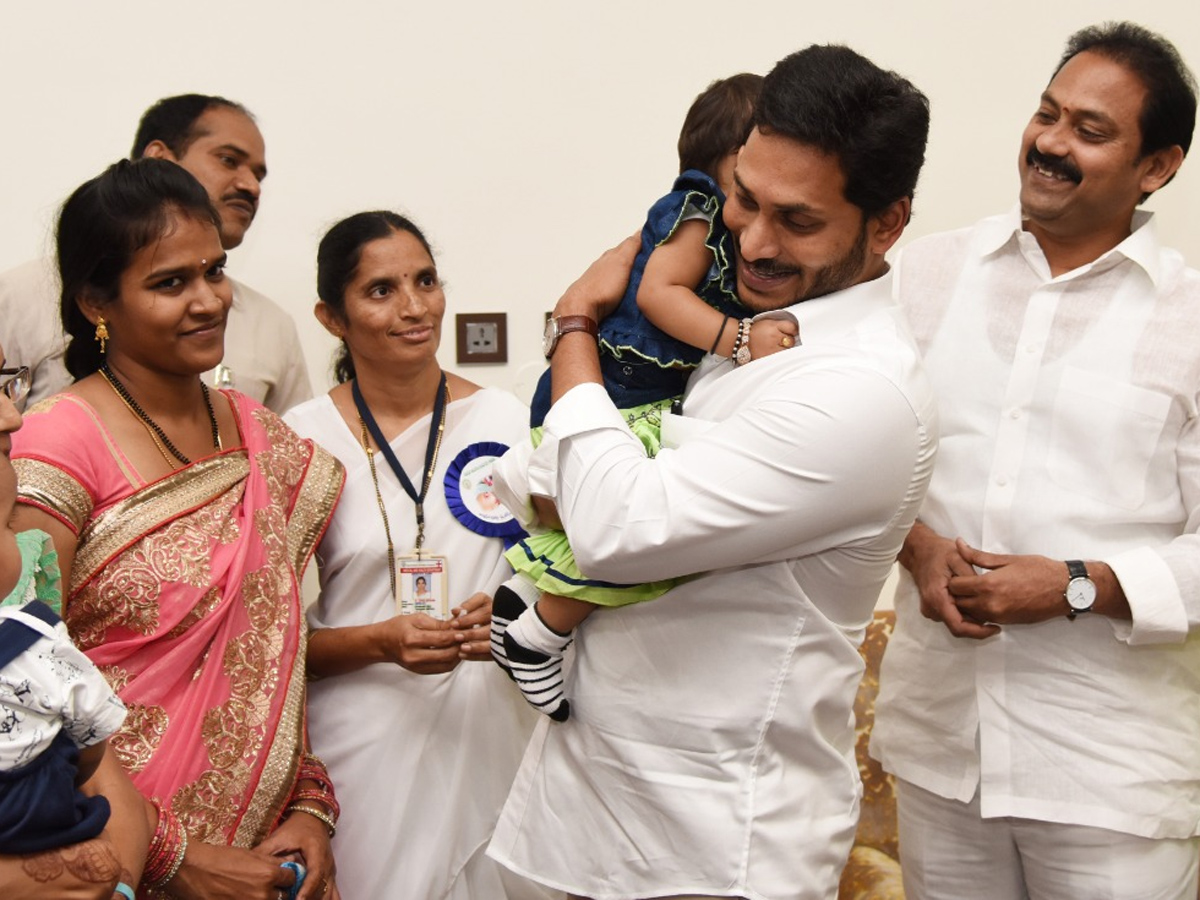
x: 1104, y: 435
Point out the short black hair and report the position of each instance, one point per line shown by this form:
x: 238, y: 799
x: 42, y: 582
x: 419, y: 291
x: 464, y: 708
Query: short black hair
x: 718, y: 122
x: 1169, y: 113
x: 874, y: 121
x: 172, y: 120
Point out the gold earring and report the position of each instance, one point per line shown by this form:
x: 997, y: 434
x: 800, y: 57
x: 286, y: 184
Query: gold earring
x: 101, y: 333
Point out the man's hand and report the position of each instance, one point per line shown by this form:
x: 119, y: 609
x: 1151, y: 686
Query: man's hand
x: 934, y: 562
x: 597, y: 291
x: 1015, y: 589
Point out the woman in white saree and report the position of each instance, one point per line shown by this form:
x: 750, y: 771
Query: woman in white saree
x: 421, y: 732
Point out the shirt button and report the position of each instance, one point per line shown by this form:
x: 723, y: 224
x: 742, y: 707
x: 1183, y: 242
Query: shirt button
x: 1031, y: 348
x: 1002, y: 481
x: 1014, y: 414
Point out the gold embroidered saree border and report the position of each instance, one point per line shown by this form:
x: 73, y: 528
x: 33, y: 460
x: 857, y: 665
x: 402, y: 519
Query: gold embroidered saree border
x: 278, y: 777
x: 48, y: 487
x: 128, y: 521
x: 315, y: 500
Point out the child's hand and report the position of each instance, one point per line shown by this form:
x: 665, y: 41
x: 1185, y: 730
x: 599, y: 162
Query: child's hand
x: 769, y: 336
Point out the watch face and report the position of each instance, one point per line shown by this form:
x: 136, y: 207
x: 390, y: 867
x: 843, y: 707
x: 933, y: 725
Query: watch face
x: 1081, y: 593
x: 549, y: 336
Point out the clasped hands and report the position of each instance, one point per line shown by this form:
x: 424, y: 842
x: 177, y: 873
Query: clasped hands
x: 1013, y: 589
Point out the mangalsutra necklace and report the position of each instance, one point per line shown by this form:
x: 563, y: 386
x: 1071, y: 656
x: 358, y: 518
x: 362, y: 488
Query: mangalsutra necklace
x: 161, y: 441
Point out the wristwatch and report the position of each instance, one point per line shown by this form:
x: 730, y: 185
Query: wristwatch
x: 1081, y: 590
x: 557, y: 327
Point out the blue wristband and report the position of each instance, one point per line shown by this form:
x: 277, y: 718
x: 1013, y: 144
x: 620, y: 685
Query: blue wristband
x: 299, y: 871
x: 124, y: 890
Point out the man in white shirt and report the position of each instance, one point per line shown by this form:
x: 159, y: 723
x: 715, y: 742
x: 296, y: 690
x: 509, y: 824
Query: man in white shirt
x: 1039, y: 698
x: 217, y: 141
x: 710, y: 750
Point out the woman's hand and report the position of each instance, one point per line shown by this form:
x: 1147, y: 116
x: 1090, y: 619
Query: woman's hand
x: 472, y: 624
x: 419, y: 643
x: 210, y: 872
x: 306, y: 837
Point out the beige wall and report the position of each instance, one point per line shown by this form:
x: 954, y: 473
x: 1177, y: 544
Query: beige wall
x: 524, y: 136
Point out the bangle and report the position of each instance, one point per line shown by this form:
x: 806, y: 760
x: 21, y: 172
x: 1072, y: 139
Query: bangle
x: 329, y: 821
x: 124, y: 890
x: 167, y: 850
x: 741, y: 346
x: 720, y: 334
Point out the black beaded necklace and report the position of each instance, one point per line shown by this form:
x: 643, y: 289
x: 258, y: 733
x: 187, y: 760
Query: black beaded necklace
x: 160, y: 436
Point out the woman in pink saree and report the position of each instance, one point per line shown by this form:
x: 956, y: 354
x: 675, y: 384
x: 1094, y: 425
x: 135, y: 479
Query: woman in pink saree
x: 184, y: 518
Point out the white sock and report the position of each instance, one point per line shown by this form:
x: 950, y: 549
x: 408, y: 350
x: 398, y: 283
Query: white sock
x: 535, y: 653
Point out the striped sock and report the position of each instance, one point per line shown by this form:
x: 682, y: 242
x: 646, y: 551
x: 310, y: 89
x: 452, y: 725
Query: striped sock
x: 512, y: 598
x: 535, y: 658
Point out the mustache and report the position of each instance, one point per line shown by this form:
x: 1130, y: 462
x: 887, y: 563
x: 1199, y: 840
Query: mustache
x: 244, y: 196
x: 765, y: 268
x: 1055, y: 165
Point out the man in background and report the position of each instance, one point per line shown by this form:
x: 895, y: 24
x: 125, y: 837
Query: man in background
x: 1038, y: 699
x: 217, y: 141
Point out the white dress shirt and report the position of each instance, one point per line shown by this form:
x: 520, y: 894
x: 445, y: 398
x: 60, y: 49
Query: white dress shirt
x: 263, y: 358
x: 710, y: 748
x: 1068, y: 409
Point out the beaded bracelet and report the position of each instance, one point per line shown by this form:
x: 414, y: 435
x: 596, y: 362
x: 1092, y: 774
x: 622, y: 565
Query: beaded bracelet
x: 167, y: 850
x: 741, y: 346
x: 329, y: 821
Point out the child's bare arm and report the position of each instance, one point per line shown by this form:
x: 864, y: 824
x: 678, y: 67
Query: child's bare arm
x: 667, y: 295
x: 89, y: 761
x: 769, y: 336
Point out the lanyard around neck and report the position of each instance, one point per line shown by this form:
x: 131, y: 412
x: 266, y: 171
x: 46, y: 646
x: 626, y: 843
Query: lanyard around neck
x: 437, y: 425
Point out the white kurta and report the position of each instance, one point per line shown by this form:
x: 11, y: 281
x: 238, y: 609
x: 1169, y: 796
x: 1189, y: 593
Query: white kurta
x: 421, y: 763
x: 710, y: 748
x: 1070, y: 428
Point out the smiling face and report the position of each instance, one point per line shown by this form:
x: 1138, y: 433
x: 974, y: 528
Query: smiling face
x: 796, y: 234
x: 173, y: 298
x: 228, y: 157
x: 1082, y: 173
x: 394, y: 306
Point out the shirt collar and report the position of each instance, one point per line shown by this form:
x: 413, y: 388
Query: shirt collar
x: 1141, y: 247
x: 839, y: 312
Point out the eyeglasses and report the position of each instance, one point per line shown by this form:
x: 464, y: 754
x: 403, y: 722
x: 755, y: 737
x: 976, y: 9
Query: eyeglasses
x: 16, y: 387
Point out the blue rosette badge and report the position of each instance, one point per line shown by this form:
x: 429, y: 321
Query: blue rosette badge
x: 469, y: 494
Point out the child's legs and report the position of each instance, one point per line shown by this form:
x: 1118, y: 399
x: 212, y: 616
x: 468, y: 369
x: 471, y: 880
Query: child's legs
x: 563, y: 614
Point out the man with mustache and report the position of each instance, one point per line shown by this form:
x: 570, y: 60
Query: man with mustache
x: 217, y: 141
x: 710, y: 751
x: 1038, y: 699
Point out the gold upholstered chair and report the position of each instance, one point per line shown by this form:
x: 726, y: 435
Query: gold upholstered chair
x: 873, y: 871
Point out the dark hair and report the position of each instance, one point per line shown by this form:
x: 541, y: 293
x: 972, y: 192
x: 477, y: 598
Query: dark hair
x: 172, y: 120
x: 875, y: 122
x: 1169, y: 113
x: 100, y: 228
x: 337, y: 262
x: 717, y: 122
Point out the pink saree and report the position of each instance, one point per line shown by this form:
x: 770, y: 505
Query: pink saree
x: 185, y: 592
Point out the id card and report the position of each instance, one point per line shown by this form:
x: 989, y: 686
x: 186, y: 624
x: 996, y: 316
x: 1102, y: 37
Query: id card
x: 421, y: 583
